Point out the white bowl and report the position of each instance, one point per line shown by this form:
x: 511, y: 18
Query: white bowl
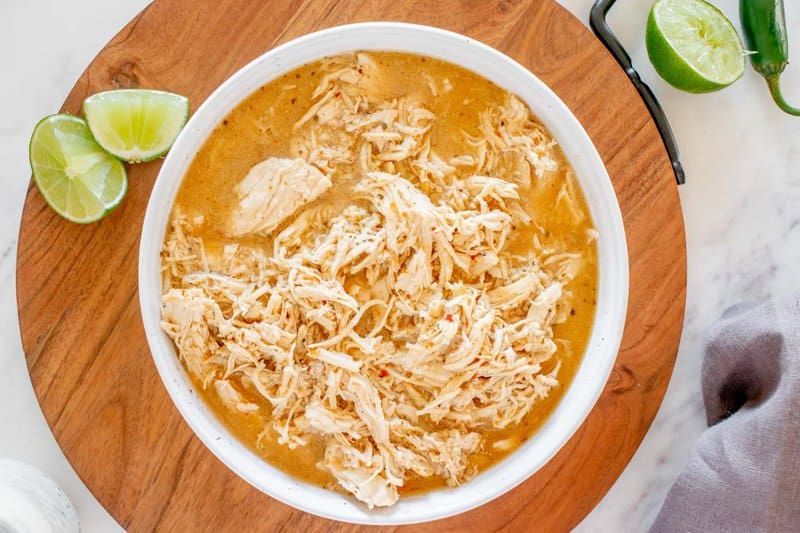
x: 611, y: 299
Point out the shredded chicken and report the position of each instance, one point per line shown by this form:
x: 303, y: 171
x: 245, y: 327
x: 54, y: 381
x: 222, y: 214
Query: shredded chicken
x: 400, y: 328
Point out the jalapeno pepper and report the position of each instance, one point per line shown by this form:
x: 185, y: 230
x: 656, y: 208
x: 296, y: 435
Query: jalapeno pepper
x: 764, y: 29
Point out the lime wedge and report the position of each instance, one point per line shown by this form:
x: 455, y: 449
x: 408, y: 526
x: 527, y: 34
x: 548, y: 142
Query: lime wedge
x: 81, y: 181
x: 136, y: 125
x: 693, y: 46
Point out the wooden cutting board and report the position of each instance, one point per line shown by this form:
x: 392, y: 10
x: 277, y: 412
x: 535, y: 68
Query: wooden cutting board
x: 77, y: 285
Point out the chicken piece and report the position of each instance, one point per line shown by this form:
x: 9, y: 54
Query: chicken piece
x: 431, y: 343
x: 417, y: 275
x: 367, y: 405
x: 232, y: 398
x: 185, y: 314
x: 544, y: 303
x: 326, y: 421
x: 272, y: 191
x: 360, y: 474
x: 527, y: 283
x: 337, y: 359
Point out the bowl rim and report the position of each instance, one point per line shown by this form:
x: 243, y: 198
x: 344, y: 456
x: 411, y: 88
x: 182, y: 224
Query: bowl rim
x: 575, y: 404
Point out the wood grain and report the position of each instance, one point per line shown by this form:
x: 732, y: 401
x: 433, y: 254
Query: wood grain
x: 77, y: 285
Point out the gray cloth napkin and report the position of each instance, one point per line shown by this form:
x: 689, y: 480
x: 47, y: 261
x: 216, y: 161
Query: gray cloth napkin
x: 744, y: 472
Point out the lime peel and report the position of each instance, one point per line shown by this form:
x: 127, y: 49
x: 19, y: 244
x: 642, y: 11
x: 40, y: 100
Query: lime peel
x: 693, y: 46
x: 77, y: 178
x: 136, y: 125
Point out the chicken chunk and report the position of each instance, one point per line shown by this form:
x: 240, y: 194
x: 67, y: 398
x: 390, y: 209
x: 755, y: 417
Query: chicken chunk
x: 272, y: 191
x: 359, y: 472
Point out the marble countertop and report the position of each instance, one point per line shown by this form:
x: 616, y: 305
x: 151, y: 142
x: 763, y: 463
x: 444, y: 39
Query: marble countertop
x: 740, y: 205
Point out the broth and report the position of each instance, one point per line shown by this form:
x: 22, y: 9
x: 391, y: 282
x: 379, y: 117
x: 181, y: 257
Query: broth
x: 262, y: 126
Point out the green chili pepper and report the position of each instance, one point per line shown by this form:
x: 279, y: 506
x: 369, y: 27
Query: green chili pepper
x: 764, y: 28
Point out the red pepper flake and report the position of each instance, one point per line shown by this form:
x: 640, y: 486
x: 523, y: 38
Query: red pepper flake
x: 473, y: 257
x: 324, y: 302
x: 337, y: 94
x: 383, y: 373
x: 361, y: 71
x: 448, y: 317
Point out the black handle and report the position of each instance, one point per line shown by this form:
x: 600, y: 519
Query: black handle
x: 598, y: 23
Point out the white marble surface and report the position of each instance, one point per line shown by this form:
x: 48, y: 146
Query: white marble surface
x: 740, y: 206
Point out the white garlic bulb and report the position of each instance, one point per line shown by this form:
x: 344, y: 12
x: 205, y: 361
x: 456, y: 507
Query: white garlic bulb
x: 31, y: 502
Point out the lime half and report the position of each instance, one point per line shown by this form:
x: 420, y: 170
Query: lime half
x: 81, y: 181
x: 693, y: 46
x: 136, y: 125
